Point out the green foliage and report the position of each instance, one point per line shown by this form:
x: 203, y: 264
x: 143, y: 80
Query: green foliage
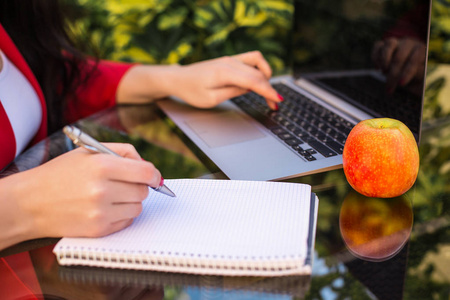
x: 185, y: 31
x: 439, y: 47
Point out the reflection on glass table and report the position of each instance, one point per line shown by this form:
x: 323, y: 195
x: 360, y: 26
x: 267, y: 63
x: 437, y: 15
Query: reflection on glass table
x: 194, y: 286
x: 417, y: 269
x: 375, y: 229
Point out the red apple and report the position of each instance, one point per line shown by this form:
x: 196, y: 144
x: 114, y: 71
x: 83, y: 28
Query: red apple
x: 381, y: 158
x: 375, y: 229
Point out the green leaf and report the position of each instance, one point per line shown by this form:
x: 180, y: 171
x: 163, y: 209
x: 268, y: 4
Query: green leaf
x: 220, y: 36
x: 123, y: 6
x: 277, y: 5
x: 139, y: 54
x: 443, y: 24
x: 249, y: 18
x: 173, y: 19
x: 178, y: 54
x: 203, y: 17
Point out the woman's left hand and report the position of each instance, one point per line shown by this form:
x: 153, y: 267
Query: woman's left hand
x: 204, y: 84
x: 208, y: 83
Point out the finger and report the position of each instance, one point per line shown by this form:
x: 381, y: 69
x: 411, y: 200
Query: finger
x: 124, y: 150
x: 125, y: 192
x: 116, y: 226
x: 398, y: 62
x: 413, y: 67
x: 391, y: 83
x: 403, y: 53
x: 255, y: 59
x: 115, y: 220
x: 248, y: 78
x: 407, y: 74
x: 376, y: 54
x: 222, y: 94
x: 124, y: 211
x: 127, y: 170
x: 387, y: 52
x: 245, y: 68
x: 228, y: 92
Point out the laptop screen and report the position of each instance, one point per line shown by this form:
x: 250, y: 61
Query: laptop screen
x: 370, y: 53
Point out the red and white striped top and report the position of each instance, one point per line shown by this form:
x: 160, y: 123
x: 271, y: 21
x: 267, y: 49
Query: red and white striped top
x: 25, y: 118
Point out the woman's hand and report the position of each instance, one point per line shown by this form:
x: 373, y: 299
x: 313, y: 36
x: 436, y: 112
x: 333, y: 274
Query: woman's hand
x: 401, y: 60
x: 76, y: 194
x: 204, y: 84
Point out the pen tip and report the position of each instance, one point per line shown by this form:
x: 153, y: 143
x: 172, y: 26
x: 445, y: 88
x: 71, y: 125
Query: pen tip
x: 164, y: 189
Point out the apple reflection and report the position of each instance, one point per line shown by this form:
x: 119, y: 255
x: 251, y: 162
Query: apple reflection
x: 375, y: 229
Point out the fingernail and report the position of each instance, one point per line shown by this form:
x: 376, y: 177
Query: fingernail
x: 276, y: 106
x: 280, y: 97
x: 161, y: 183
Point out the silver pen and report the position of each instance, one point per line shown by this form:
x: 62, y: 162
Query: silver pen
x: 84, y: 140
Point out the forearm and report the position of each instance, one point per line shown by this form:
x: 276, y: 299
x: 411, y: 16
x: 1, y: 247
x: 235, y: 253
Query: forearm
x: 15, y: 225
x: 145, y: 83
x: 203, y: 84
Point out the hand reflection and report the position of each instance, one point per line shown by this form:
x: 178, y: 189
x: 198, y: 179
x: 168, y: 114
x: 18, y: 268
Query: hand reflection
x: 401, y: 60
x: 375, y: 229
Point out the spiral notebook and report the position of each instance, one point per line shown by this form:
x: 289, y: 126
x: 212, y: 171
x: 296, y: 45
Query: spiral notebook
x: 212, y: 227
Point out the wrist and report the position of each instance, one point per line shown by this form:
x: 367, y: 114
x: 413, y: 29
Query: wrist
x: 144, y: 83
x: 166, y: 79
x: 16, y: 224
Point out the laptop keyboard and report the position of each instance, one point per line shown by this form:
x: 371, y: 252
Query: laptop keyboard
x: 302, y: 124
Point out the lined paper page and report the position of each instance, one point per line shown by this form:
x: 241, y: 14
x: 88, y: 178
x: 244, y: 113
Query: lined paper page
x: 215, y: 219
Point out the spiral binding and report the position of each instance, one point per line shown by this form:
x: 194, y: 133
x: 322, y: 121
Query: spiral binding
x: 189, y: 263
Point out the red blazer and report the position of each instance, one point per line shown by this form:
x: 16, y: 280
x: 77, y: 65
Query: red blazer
x: 97, y: 94
x: 16, y: 272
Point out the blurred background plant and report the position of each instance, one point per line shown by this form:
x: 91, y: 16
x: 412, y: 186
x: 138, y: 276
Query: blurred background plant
x: 186, y: 31
x: 183, y: 31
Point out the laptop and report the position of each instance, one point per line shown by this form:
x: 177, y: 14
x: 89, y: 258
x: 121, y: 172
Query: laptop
x: 333, y: 85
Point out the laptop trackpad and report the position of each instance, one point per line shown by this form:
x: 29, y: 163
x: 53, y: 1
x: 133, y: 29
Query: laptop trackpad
x: 225, y: 128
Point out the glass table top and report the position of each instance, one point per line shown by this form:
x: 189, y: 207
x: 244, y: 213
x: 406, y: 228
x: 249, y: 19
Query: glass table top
x: 365, y: 248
